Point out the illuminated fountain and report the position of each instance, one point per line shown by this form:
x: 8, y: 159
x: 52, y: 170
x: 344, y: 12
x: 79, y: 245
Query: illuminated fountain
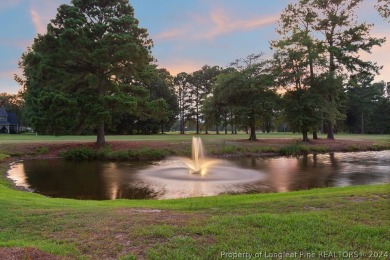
x: 199, y: 164
x: 206, y: 176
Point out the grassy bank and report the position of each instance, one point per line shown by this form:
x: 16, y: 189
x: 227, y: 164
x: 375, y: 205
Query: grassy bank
x: 313, y: 223
x: 174, y: 136
x: 349, y: 219
x: 160, y: 146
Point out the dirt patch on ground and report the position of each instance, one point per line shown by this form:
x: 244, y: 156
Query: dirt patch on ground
x: 16, y: 253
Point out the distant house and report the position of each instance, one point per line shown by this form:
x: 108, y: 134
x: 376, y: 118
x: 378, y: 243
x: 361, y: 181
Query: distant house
x: 9, y: 122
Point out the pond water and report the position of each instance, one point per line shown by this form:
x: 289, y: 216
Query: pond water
x: 171, y: 179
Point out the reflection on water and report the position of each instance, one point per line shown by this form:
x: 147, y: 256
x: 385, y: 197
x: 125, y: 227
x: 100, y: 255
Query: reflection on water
x: 81, y: 180
x: 320, y: 170
x: 170, y: 178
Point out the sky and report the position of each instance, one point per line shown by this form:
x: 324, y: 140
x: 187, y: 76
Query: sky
x: 187, y: 34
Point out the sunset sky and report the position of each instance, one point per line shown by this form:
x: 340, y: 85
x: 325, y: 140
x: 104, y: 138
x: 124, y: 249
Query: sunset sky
x: 187, y: 34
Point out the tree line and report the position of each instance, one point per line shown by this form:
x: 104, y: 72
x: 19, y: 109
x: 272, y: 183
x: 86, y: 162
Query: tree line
x: 93, y: 72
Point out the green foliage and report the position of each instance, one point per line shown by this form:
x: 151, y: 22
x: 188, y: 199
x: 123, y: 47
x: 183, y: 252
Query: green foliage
x: 3, y: 156
x: 84, y: 68
x: 352, y: 148
x: 105, y: 153
x: 247, y: 90
x: 383, y: 7
x: 42, y: 150
x: 293, y: 149
x: 80, y: 154
x: 321, y: 36
x: 368, y: 109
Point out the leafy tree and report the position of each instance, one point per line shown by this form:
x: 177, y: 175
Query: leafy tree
x: 364, y: 98
x: 380, y: 117
x: 212, y: 111
x: 12, y: 102
x: 331, y: 24
x: 182, y: 90
x: 201, y: 86
x: 160, y: 85
x: 296, y: 59
x: 383, y: 7
x: 343, y: 39
x: 81, y: 71
x: 247, y: 89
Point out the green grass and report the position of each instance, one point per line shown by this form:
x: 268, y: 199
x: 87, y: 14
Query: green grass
x: 105, y: 153
x: 353, y: 219
x: 174, y: 137
x: 3, y: 156
x: 330, y: 219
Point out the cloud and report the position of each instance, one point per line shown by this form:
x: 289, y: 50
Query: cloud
x: 170, y: 34
x: 38, y: 22
x: 224, y: 24
x: 218, y: 22
x: 42, y: 11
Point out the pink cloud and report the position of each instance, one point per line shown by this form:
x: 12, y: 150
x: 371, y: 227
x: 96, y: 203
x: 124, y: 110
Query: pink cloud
x: 42, y: 11
x: 37, y: 20
x: 224, y: 24
x: 170, y: 34
x: 218, y: 22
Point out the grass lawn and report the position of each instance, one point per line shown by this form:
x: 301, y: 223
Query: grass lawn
x: 350, y: 219
x: 174, y: 136
x: 319, y: 223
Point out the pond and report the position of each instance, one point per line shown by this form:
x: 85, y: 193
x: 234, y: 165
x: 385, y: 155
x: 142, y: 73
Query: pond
x: 170, y: 178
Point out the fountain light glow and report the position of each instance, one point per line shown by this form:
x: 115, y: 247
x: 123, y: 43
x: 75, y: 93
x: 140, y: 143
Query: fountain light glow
x: 199, y: 164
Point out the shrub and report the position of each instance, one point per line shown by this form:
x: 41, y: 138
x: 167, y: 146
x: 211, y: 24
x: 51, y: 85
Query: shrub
x: 80, y: 154
x: 42, y: 150
x: 86, y: 153
x: 3, y: 156
x: 293, y: 149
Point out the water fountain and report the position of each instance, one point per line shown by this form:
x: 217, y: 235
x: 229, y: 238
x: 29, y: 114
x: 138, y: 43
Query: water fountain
x: 198, y: 176
x: 199, y: 164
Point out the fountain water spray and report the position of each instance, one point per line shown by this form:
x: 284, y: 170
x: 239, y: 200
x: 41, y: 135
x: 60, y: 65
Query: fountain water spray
x: 197, y: 154
x: 198, y: 164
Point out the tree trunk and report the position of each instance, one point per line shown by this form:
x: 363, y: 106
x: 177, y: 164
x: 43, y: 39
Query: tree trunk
x: 362, y: 122
x: 162, y: 128
x: 100, y: 139
x: 232, y: 122
x: 217, y: 129
x: 330, y: 131
x: 197, y: 121
x: 252, y: 137
x: 305, y: 138
x: 206, y: 130
x: 253, y: 127
x: 315, y: 136
x: 225, y: 122
x: 182, y: 126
